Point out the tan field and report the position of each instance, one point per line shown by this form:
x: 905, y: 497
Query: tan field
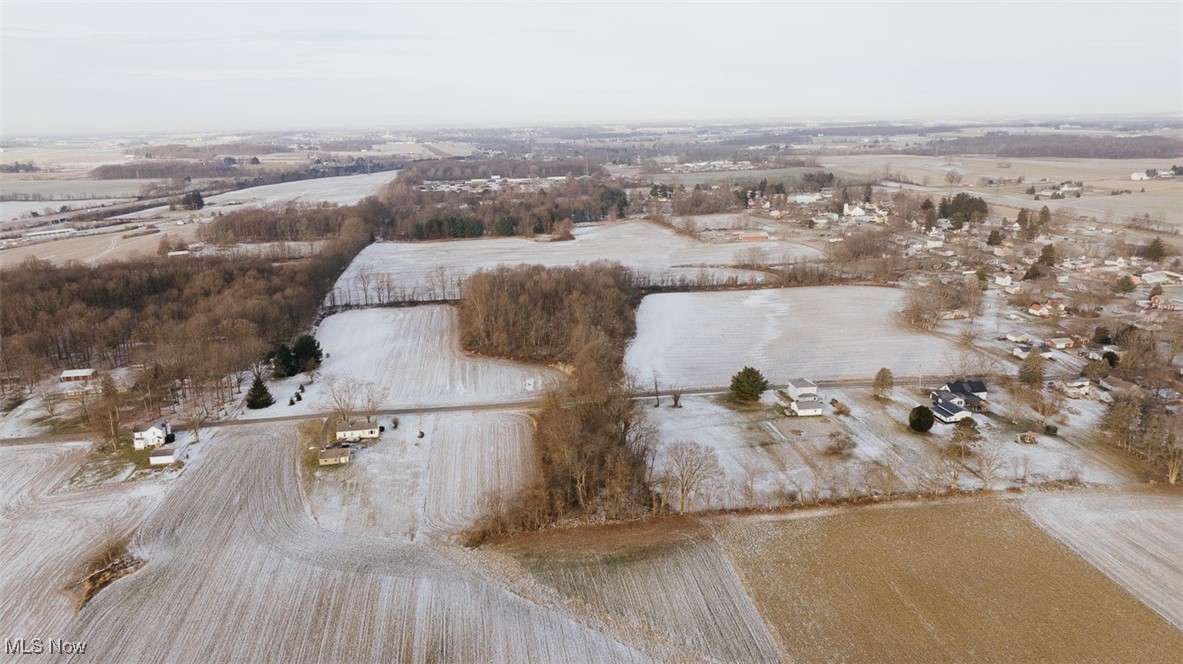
x: 936, y: 583
x: 97, y: 248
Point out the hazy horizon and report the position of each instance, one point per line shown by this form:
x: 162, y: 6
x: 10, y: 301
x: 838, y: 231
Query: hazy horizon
x: 150, y: 68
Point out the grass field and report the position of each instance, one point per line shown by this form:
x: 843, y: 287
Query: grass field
x: 944, y: 582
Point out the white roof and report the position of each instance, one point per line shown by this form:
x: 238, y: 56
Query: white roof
x: 77, y: 373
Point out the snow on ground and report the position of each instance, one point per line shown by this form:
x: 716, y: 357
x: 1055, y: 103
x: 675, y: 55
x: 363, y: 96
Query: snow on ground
x: 412, y: 356
x: 820, y: 333
x: 684, y: 594
x: 23, y: 420
x: 47, y: 533
x: 406, y: 486
x: 10, y: 210
x: 232, y: 551
x: 423, y: 270
x: 343, y: 190
x: 1134, y: 538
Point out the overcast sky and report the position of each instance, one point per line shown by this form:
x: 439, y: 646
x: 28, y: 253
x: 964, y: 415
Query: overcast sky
x: 111, y: 67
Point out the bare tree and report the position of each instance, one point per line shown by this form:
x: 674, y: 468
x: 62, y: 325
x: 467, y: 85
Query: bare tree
x: 693, y: 467
x: 676, y: 392
x: 989, y: 461
x: 370, y: 400
x: 656, y: 391
x: 194, y: 415
x: 343, y: 396
x: 50, y: 402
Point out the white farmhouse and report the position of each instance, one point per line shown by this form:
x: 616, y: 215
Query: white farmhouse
x: 799, y: 389
x: 807, y: 407
x: 150, y: 436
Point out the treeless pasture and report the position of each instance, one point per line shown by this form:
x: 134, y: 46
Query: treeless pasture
x: 936, y: 583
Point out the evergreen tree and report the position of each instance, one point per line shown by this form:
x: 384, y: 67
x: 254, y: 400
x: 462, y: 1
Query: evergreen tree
x: 307, y: 352
x: 1047, y: 256
x: 1032, y: 272
x: 1156, y: 290
x: 1125, y: 285
x: 921, y: 419
x: 748, y: 384
x: 995, y: 238
x: 258, y: 396
x: 884, y: 382
x: 285, y: 362
x: 1156, y: 251
x: 1031, y: 370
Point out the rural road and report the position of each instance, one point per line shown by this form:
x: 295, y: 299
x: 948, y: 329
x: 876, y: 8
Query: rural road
x: 518, y: 404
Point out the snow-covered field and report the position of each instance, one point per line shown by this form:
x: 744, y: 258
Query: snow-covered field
x: 405, y: 486
x: 238, y: 571
x: 10, y: 210
x: 1134, y: 538
x: 412, y: 357
x: 343, y: 190
x: 47, y: 533
x: 423, y: 270
x: 825, y: 332
x: 685, y: 596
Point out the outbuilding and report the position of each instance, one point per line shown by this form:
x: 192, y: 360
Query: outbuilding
x: 799, y: 388
x: 333, y: 456
x: 163, y: 456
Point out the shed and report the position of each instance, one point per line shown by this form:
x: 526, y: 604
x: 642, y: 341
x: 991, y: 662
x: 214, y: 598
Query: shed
x: 948, y: 412
x: 162, y: 456
x: 800, y: 388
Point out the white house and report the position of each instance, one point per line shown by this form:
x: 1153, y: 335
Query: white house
x: 948, y: 412
x: 849, y: 210
x: 163, y: 456
x: 1002, y: 280
x: 1075, y: 389
x: 149, y: 436
x: 333, y: 456
x: 807, y: 407
x: 1018, y: 337
x: 799, y: 388
x: 1060, y: 343
x: 355, y: 431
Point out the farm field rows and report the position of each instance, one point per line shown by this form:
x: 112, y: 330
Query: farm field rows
x: 431, y: 270
x: 1133, y: 538
x: 940, y: 582
x: 405, y: 486
x: 820, y: 333
x: 413, y: 357
x: 234, y: 540
x: 48, y: 533
x: 666, y: 589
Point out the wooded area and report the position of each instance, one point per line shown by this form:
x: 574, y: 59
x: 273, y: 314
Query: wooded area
x: 193, y: 322
x: 591, y: 440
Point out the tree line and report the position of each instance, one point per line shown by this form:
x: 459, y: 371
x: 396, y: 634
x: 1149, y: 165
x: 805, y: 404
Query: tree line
x: 455, y: 169
x: 1005, y: 144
